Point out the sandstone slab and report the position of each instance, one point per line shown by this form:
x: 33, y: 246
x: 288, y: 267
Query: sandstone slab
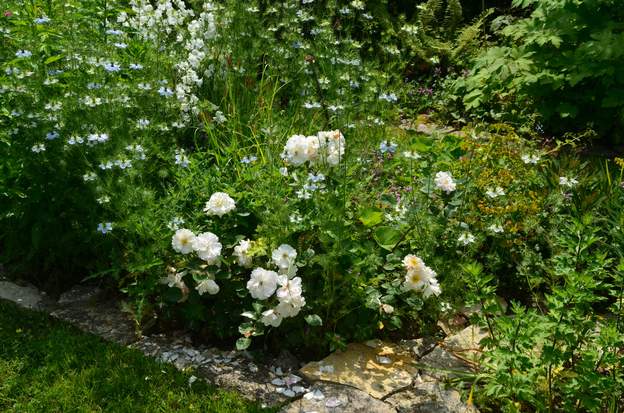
x: 375, y: 367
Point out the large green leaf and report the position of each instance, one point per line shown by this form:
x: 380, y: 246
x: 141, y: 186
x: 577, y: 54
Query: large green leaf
x: 387, y: 237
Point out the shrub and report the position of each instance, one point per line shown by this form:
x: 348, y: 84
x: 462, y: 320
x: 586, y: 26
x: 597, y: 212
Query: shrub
x: 558, y: 62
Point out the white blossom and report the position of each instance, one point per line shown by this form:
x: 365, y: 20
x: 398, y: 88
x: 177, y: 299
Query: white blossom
x: 182, y: 241
x: 219, y: 204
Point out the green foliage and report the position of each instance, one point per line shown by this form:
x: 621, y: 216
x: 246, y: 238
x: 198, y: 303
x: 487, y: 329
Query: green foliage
x: 559, y: 62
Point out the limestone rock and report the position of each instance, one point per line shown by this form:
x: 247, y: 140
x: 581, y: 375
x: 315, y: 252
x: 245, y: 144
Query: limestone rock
x: 376, y: 367
x: 458, y: 353
x: 331, y: 397
x: 441, y: 365
x: 419, y: 347
x: 24, y: 296
x: 88, y: 308
x: 428, y: 397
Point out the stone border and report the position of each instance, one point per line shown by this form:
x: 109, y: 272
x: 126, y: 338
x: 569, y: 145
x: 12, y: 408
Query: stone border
x: 279, y: 382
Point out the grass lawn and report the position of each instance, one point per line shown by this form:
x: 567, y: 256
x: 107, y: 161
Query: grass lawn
x: 50, y: 366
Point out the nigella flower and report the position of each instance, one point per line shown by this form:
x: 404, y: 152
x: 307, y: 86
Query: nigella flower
x: 120, y: 45
x: 530, y: 159
x: 466, y: 238
x: 143, y: 123
x: 105, y: 227
x: 111, y: 67
x: 136, y: 66
x: 93, y: 86
x: 23, y: 53
x: 388, y: 147
x: 123, y: 163
x: 144, y: 86
x: 249, y: 159
x: 311, y: 105
x: 494, y: 193
x: 55, y: 72
x: 568, y: 182
x: 114, y: 32
x: 38, y: 148
x: 411, y: 155
x: 52, y: 135
x: 89, y: 176
x: 165, y: 91
x: 316, y: 178
x: 392, y: 98
x: 175, y: 223
x: 42, y: 20
x: 181, y: 158
x: 219, y: 117
x: 496, y: 229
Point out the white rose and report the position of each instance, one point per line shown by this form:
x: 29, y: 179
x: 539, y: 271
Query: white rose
x: 284, y: 256
x: 207, y: 247
x: 445, y: 182
x: 207, y: 286
x: 182, y: 241
x: 219, y: 204
x: 262, y: 283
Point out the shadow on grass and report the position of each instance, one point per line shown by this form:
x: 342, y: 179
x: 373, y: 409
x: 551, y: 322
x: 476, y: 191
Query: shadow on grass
x: 49, y: 366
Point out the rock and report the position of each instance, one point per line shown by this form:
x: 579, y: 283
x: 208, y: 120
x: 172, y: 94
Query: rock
x: 80, y: 293
x: 331, y: 397
x: 24, y: 296
x: 428, y: 397
x: 253, y: 383
x: 89, y: 309
x: 458, y: 353
x: 419, y: 347
x: 286, y: 361
x: 441, y: 365
x: 466, y: 342
x: 377, y: 368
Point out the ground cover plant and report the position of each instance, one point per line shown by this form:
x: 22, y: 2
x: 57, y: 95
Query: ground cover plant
x: 248, y: 170
x: 47, y: 365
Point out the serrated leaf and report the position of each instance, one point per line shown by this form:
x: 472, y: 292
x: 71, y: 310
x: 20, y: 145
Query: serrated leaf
x: 243, y: 343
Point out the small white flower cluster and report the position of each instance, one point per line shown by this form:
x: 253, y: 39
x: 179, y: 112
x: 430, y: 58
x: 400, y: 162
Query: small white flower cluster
x: 324, y: 147
x: 420, y: 277
x: 568, y: 182
x: 286, y: 287
x: 149, y: 22
x: 495, y: 192
x: 466, y: 238
x: 530, y: 159
x: 445, y: 182
x: 200, y: 30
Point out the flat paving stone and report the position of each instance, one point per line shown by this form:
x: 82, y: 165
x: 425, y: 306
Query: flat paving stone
x: 375, y: 367
x: 24, y: 296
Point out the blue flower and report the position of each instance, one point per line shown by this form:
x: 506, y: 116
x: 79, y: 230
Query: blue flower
x: 388, y: 147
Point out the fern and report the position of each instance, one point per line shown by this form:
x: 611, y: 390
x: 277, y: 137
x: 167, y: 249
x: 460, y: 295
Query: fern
x: 453, y: 15
x: 428, y: 14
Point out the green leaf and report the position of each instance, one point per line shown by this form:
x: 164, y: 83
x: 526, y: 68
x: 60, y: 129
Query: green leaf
x: 314, y: 320
x: 243, y: 343
x: 53, y: 59
x: 387, y: 237
x: 371, y: 217
x: 249, y: 314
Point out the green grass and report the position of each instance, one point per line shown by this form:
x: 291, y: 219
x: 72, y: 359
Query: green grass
x: 50, y: 366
